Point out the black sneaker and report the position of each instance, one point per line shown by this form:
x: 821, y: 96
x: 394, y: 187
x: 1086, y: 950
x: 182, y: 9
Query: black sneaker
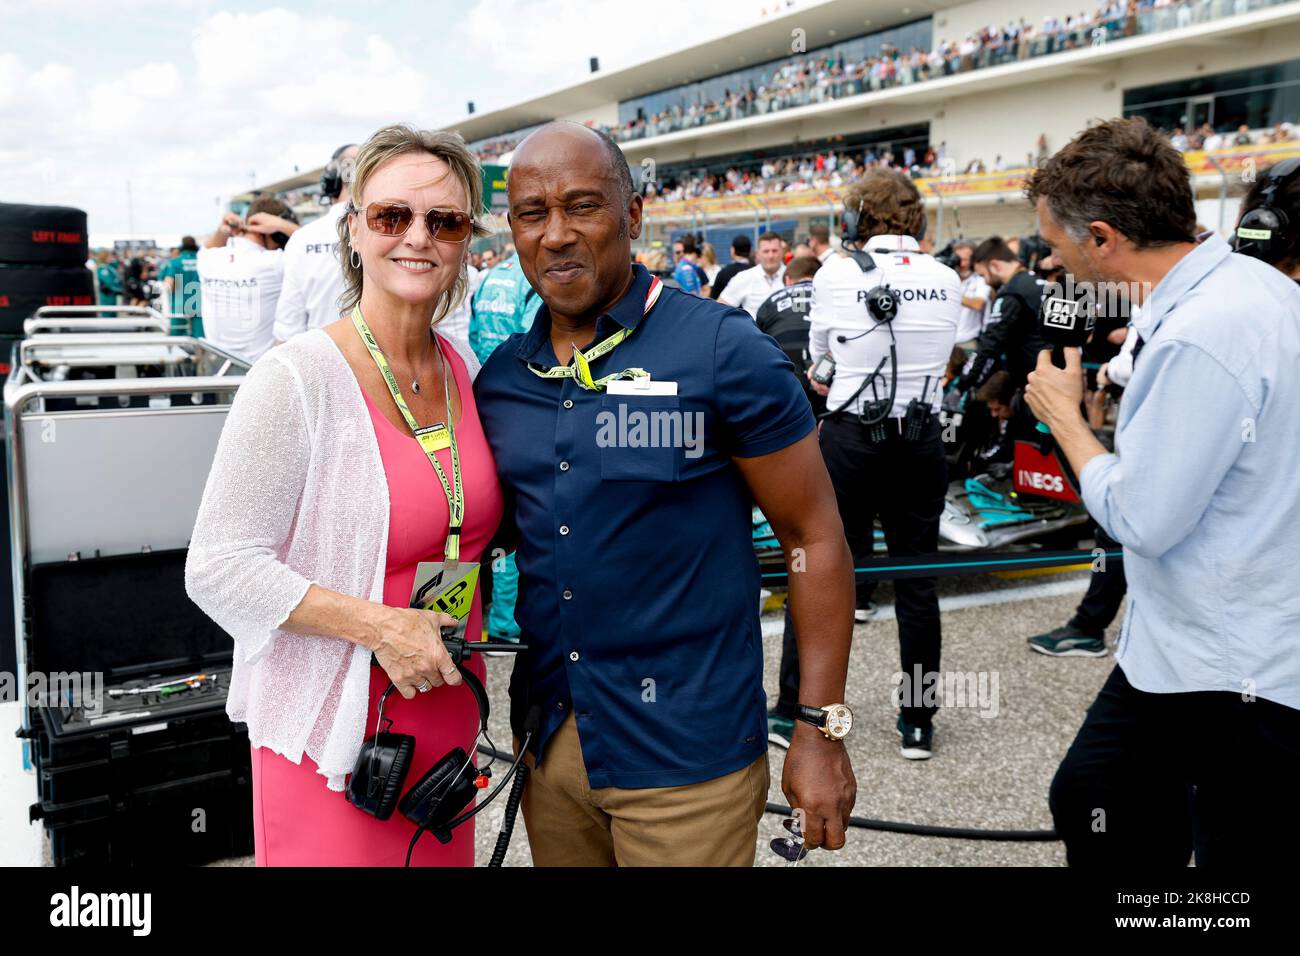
x: 1068, y: 641
x: 917, y: 740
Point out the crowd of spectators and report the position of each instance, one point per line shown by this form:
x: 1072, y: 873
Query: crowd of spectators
x: 828, y: 169
x: 825, y: 169
x: 1206, y: 137
x: 801, y: 81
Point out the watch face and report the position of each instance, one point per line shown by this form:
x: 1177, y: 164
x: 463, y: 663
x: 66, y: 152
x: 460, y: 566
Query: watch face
x: 839, y: 721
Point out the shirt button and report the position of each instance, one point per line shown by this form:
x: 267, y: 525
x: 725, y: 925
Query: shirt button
x: 564, y: 466
x: 568, y: 403
x: 564, y: 529
x: 568, y: 595
x: 573, y: 655
x: 559, y: 705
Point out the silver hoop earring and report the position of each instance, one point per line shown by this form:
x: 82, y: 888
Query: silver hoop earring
x: 355, y: 259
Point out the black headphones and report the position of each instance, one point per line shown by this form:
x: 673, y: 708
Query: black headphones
x: 849, y: 225
x: 1265, y: 232
x: 282, y: 238
x: 439, y: 799
x: 331, y: 177
x: 447, y: 788
x: 852, y: 218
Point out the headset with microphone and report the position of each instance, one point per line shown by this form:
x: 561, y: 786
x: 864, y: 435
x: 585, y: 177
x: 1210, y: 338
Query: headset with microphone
x: 882, y: 305
x: 332, y: 177
x: 1266, y: 232
x: 438, y: 800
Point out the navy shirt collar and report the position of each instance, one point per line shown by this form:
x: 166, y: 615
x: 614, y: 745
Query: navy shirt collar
x: 627, y: 312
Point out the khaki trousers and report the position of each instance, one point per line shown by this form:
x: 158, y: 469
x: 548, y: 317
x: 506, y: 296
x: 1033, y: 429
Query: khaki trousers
x: 711, y: 823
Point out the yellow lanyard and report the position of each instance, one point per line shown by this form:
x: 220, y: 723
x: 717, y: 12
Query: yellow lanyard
x: 427, y: 437
x: 580, y: 370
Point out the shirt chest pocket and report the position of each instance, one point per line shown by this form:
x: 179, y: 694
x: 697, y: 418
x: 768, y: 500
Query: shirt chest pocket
x: 640, y: 438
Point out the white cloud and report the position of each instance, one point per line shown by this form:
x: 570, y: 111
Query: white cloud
x: 243, y: 51
x: 134, y: 101
x: 315, y: 66
x: 207, y: 104
x: 563, y: 34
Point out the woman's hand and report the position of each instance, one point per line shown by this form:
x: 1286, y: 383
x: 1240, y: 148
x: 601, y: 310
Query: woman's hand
x: 410, y: 650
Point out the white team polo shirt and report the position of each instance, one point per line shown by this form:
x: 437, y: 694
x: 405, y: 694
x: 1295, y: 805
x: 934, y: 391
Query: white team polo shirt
x: 750, y: 289
x: 241, y: 283
x: 313, y: 277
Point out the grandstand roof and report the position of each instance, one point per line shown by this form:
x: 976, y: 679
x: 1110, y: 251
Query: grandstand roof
x: 825, y: 22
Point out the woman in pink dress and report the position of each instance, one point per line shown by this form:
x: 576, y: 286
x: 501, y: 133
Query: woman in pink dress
x: 321, y: 503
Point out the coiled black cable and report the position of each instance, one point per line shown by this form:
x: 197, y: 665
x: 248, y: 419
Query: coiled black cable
x: 865, y: 823
x: 952, y: 833
x: 508, y: 824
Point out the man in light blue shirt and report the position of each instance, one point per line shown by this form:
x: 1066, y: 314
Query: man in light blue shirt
x: 1195, y: 739
x: 504, y: 304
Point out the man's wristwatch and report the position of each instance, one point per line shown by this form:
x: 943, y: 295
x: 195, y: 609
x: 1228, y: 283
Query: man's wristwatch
x: 834, y: 720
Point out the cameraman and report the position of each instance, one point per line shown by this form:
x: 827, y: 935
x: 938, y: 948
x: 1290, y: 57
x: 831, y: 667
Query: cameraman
x: 887, y: 372
x: 313, y: 274
x: 240, y: 272
x: 1194, y: 741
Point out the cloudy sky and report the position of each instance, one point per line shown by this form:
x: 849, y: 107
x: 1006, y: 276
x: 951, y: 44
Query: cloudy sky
x: 192, y: 100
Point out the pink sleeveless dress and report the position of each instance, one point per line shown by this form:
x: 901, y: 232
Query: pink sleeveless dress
x: 297, y: 820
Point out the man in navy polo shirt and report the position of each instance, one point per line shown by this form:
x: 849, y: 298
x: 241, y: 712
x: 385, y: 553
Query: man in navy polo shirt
x: 638, y: 586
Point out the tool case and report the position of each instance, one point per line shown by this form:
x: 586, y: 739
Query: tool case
x: 127, y: 777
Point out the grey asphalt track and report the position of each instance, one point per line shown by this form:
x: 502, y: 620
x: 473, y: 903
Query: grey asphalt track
x: 987, y: 772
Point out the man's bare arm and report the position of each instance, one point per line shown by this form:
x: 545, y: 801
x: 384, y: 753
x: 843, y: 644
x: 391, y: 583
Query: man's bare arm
x: 793, y: 490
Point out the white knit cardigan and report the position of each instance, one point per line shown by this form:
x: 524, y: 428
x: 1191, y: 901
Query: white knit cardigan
x: 297, y: 495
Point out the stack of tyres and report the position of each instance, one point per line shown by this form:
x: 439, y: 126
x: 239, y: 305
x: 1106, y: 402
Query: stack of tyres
x: 43, y: 251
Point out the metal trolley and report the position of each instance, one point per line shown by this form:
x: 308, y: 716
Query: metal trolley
x: 96, y: 318
x: 110, y: 436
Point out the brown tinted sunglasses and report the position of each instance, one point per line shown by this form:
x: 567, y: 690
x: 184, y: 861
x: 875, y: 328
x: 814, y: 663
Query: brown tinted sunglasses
x: 393, y: 219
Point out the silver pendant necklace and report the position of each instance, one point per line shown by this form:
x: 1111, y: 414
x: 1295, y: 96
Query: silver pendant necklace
x: 415, y: 382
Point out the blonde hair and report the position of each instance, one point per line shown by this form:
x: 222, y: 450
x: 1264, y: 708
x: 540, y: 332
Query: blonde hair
x: 655, y: 260
x: 398, y: 140
x: 707, y: 255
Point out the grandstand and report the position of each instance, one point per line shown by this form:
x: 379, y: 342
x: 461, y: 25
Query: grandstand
x: 763, y: 127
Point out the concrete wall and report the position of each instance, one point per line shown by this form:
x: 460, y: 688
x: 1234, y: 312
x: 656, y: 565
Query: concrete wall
x: 957, y: 22
x: 606, y: 115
